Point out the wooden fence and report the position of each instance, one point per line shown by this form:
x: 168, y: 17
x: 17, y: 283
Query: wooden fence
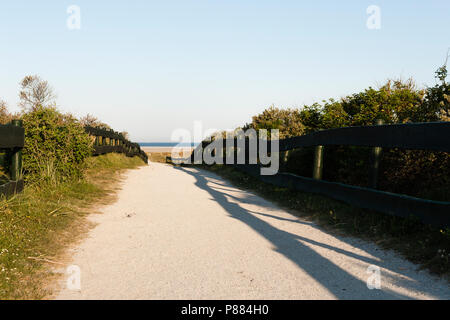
x: 107, y: 141
x: 433, y: 136
x: 12, y: 137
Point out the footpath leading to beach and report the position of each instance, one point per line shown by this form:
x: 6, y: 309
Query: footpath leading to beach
x: 184, y: 233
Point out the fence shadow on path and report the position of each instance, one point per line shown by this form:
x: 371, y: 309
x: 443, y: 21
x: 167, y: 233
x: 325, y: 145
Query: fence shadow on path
x: 336, y: 280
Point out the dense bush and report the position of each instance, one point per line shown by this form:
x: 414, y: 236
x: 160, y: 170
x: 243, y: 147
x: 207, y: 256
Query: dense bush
x: 436, y: 106
x: 421, y: 173
x: 5, y: 116
x: 286, y: 120
x: 418, y: 173
x: 56, y: 145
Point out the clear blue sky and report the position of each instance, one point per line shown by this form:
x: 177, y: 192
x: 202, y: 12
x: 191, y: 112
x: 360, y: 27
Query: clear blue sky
x: 150, y: 67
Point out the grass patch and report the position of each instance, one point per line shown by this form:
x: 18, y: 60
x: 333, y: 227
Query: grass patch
x: 36, y: 225
x: 161, y: 156
x: 158, y: 156
x: 112, y: 161
x: 419, y: 243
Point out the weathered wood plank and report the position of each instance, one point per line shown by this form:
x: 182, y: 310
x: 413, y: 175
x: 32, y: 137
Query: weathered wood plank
x: 432, y: 136
x: 11, y: 136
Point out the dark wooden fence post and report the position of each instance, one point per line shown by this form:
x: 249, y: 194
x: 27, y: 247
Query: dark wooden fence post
x: 375, y: 162
x: 318, y: 163
x: 284, y: 157
x: 16, y: 158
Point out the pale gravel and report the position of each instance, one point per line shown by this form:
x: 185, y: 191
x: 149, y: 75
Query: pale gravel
x: 184, y: 233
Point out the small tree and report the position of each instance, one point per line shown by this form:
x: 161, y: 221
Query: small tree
x: 5, y: 116
x: 35, y: 92
x: 125, y: 135
x: 441, y: 73
x: 91, y: 121
x: 311, y: 117
x: 286, y: 120
x: 436, y: 106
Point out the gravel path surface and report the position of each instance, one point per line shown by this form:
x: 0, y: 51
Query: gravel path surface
x: 183, y: 233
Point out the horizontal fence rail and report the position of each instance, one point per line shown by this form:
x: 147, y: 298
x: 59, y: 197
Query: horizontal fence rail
x: 431, y: 212
x: 109, y: 141
x: 12, y: 139
x: 11, y: 136
x: 433, y: 136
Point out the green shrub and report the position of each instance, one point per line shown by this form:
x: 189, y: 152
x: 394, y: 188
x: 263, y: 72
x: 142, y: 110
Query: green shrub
x: 286, y: 120
x: 436, y: 106
x: 56, y: 145
x: 5, y: 115
x: 418, y: 173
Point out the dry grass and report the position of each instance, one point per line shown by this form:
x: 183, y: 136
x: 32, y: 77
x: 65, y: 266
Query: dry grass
x: 161, y: 156
x: 38, y: 225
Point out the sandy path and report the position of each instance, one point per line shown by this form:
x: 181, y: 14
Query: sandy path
x: 181, y: 233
